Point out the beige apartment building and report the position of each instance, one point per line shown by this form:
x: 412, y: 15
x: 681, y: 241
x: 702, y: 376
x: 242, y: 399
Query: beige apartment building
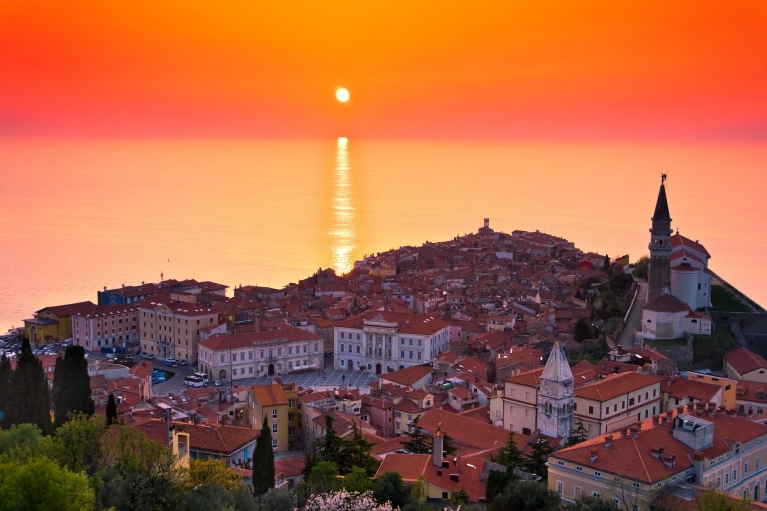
x: 169, y: 325
x: 281, y: 350
x: 279, y: 405
x: 105, y: 326
x: 703, y: 446
x: 602, y: 403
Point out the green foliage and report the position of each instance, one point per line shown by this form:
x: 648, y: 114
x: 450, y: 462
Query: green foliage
x: 582, y: 330
x: 41, y: 484
x: 447, y: 444
x: 29, y: 400
x: 525, y: 496
x: 509, y: 455
x: 357, y: 450
x: 579, y: 434
x: 588, y: 503
x: 458, y: 497
x: 358, y: 480
x: 71, y: 386
x: 23, y: 442
x: 390, y: 488
x: 263, y: 461
x: 144, y: 475
x: 111, y: 410
x: 77, y: 444
x: 324, y: 477
x: 275, y: 501
x: 212, y: 497
x: 211, y: 473
x: 496, y: 482
x: 641, y: 267
x: 5, y: 384
x: 333, y: 447
x: 724, y: 300
x: 419, y: 442
x: 535, y: 460
x: 711, y: 347
x: 419, y: 492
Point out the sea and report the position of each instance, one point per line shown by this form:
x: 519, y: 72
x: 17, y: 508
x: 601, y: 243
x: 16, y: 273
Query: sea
x: 78, y: 215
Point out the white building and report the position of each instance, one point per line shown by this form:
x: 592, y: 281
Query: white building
x: 387, y: 341
x: 668, y: 317
x: 690, y: 276
x: 273, y: 352
x: 105, y: 326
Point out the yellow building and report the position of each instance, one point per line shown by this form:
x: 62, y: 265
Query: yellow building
x: 278, y: 403
x: 729, y: 392
x: 382, y: 269
x: 53, y: 324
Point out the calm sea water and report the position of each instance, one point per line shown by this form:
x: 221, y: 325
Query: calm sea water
x: 77, y: 215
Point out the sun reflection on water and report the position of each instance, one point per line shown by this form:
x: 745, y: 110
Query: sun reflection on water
x: 343, y: 232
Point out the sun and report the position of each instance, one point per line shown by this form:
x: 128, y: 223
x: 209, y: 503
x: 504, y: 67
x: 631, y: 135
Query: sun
x: 342, y: 95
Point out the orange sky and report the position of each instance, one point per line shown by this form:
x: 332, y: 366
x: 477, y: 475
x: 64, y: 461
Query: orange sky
x: 417, y: 69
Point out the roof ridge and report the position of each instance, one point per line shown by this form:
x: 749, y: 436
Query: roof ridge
x: 639, y: 455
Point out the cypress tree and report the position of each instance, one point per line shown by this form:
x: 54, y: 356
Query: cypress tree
x: 5, y: 384
x: 263, y: 462
x: 418, y: 443
x: 111, y: 410
x: 29, y: 400
x: 72, y: 386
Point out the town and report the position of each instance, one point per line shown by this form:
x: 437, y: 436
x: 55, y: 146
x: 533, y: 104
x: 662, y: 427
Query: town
x: 455, y: 368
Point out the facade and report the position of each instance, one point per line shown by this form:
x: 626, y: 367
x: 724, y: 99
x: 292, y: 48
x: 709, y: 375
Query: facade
x: 106, y: 326
x: 169, y: 325
x: 53, y: 324
x: 705, y: 447
x: 742, y: 364
x: 384, y: 342
x: 660, y: 246
x: 277, y: 403
x: 127, y: 294
x: 282, y: 350
x: 556, y: 396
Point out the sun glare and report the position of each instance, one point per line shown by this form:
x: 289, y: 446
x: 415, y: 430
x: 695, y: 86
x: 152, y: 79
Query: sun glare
x: 342, y: 95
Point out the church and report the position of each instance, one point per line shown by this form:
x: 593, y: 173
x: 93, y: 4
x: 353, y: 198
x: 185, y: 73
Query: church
x: 679, y: 280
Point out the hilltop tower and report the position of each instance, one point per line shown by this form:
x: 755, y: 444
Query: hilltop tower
x: 660, y: 245
x: 555, y: 397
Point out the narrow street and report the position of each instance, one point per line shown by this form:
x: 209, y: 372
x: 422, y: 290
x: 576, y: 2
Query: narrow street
x: 634, y: 320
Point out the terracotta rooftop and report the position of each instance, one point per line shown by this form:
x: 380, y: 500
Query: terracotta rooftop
x: 745, y: 361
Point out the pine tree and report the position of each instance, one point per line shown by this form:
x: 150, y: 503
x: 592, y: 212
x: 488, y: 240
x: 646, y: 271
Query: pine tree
x: 263, y: 462
x: 535, y: 460
x: 418, y: 443
x: 71, y: 386
x: 509, y: 455
x: 447, y: 444
x: 358, y: 451
x: 29, y: 399
x: 579, y: 434
x: 111, y: 410
x: 5, y: 384
x: 333, y: 448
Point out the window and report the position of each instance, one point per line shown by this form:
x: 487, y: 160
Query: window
x: 274, y: 443
x: 222, y: 359
x: 561, y: 463
x: 342, y: 347
x: 560, y: 487
x: 511, y: 411
x: 616, y: 503
x: 596, y: 494
x: 598, y: 473
x: 636, y: 485
x: 527, y: 414
x: 274, y: 413
x: 274, y: 428
x: 250, y: 355
x: 745, y: 468
x: 591, y: 410
x: 291, y: 403
x: 579, y: 468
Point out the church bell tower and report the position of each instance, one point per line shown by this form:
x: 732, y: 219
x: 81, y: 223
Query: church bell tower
x: 556, y: 396
x: 660, y: 245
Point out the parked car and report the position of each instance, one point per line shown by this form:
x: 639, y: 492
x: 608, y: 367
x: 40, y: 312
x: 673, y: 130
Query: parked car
x: 216, y: 383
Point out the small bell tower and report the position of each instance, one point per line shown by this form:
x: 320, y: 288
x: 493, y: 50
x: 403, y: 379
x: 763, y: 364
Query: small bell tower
x: 660, y: 245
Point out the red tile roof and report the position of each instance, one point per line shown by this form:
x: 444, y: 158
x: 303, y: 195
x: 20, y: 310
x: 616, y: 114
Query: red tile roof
x: 745, y: 361
x: 242, y: 340
x: 408, y: 376
x: 614, y: 385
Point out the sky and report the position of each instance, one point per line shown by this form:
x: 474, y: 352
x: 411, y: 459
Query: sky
x: 540, y: 70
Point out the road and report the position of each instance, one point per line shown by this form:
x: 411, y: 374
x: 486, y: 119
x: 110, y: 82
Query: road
x: 634, y: 321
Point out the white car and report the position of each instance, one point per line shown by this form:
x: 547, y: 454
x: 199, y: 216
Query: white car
x: 216, y: 383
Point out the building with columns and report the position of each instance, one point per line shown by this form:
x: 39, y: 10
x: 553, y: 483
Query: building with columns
x: 383, y: 342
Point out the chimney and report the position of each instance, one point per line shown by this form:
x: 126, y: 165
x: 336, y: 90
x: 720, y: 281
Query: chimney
x: 608, y: 441
x: 634, y: 431
x: 123, y: 285
x: 697, y: 463
x: 655, y: 420
x: 669, y: 460
x: 105, y: 288
x: 594, y: 455
x: 439, y: 439
x: 624, y: 431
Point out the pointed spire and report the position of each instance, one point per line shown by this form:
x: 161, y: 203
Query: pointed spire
x: 661, y: 206
x: 557, y: 368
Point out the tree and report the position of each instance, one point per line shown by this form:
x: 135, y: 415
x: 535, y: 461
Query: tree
x: 77, y: 444
x: 211, y: 472
x: 419, y: 492
x: 23, y: 442
x: 496, y: 482
x: 458, y: 497
x: 390, y: 488
x: 582, y: 330
x: 41, y: 484
x: 579, y: 434
x: 535, y: 460
x: 345, y: 501
x: 333, y: 448
x: 29, y: 401
x: 589, y: 503
x: 263, y: 461
x: 641, y: 267
x: 509, y: 455
x: 274, y: 500
x: 419, y: 443
x: 358, y: 481
x: 447, y: 444
x: 71, y: 386
x: 324, y: 478
x: 5, y: 383
x: 144, y: 475
x: 358, y: 453
x: 606, y: 265
x: 111, y: 410
x: 525, y: 496
x: 214, y: 498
